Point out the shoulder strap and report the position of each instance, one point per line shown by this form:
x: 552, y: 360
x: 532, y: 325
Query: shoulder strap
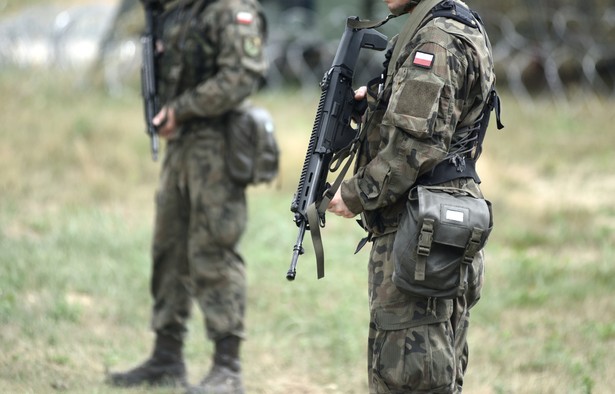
x: 457, y: 11
x: 410, y: 28
x: 359, y: 24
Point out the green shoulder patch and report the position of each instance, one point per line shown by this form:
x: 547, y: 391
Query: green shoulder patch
x: 252, y: 46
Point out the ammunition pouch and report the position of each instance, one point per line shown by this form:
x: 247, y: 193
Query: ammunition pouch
x: 252, y: 155
x: 440, y: 232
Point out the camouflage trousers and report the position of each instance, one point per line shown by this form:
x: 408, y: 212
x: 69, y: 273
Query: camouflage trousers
x: 200, y: 217
x: 416, y: 345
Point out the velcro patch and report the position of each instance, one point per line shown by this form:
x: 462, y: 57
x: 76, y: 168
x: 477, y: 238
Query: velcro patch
x: 423, y: 59
x: 252, y: 46
x: 244, y: 18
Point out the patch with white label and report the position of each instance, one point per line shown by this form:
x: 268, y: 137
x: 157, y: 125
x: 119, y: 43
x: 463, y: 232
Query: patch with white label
x: 423, y: 59
x: 455, y: 216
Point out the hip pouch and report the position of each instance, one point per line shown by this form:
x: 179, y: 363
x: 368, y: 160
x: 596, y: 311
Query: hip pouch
x: 440, y: 232
x: 252, y: 149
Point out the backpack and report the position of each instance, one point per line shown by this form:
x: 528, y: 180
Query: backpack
x: 252, y: 148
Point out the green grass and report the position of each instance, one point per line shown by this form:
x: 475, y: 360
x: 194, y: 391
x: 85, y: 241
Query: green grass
x: 76, y: 212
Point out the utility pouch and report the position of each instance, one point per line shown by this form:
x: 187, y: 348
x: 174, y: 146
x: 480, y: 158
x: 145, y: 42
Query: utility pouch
x: 440, y: 232
x: 252, y: 149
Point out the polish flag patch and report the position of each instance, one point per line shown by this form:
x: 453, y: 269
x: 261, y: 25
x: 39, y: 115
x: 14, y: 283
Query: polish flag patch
x: 244, y: 18
x: 423, y: 59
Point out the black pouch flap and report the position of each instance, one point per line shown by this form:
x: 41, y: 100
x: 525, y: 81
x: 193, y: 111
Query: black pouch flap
x: 455, y: 214
x: 440, y: 233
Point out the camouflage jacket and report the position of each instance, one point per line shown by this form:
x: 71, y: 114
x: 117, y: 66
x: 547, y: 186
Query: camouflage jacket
x: 212, y: 57
x: 439, y: 84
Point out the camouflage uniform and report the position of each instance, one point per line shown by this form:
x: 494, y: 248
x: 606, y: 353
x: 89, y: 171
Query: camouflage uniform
x: 418, y: 345
x: 212, y: 61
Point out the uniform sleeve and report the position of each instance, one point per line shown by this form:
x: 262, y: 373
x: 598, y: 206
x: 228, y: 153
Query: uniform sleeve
x: 240, y: 64
x: 418, y: 124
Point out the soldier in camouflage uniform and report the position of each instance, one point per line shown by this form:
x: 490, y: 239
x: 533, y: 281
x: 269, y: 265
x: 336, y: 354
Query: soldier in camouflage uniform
x: 438, y: 85
x: 211, y: 60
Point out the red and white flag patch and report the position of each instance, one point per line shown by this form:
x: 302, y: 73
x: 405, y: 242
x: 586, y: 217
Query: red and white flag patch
x: 244, y: 18
x: 423, y: 59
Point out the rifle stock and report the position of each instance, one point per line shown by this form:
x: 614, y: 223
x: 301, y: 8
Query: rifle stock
x: 331, y: 133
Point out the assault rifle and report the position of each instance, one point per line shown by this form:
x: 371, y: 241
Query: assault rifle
x: 332, y: 134
x: 149, y: 89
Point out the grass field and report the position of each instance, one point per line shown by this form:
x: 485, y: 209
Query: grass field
x: 76, y: 209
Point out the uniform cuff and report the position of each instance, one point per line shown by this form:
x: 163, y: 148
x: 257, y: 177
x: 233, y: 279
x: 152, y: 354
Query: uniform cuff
x: 351, y: 197
x: 181, y: 115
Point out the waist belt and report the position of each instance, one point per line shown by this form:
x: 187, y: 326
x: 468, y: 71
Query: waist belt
x: 446, y: 171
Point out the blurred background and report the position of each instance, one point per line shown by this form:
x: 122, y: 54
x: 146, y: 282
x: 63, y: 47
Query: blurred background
x: 556, y: 47
x: 77, y: 185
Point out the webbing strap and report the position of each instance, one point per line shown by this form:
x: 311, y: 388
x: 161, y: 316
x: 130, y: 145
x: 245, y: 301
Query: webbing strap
x: 314, y: 213
x: 313, y: 217
x: 463, y: 279
x: 472, y: 248
x: 419, y: 270
x: 473, y: 245
x: 459, y: 12
x: 423, y: 248
x: 360, y: 24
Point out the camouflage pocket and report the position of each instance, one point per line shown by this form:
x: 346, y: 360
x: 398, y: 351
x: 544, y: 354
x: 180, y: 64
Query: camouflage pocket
x: 221, y: 211
x: 414, y: 104
x: 415, y: 355
x: 226, y: 222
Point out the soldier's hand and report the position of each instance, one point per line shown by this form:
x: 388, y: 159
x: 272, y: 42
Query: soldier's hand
x: 360, y: 93
x: 338, y: 206
x: 360, y: 105
x: 165, y: 123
